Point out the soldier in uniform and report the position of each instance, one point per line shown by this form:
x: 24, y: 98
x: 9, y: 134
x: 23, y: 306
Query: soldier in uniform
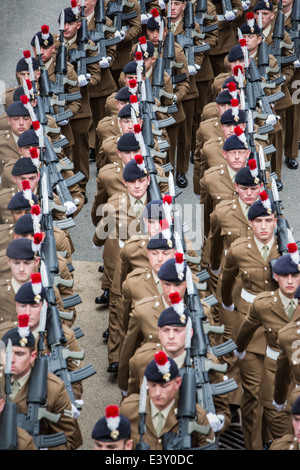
x: 112, y: 431
x: 49, y: 58
x: 265, y: 11
x: 109, y: 125
x: 272, y: 311
x: 172, y: 336
x: 19, y: 121
x: 122, y: 220
x: 58, y: 401
x: 250, y: 259
x: 80, y: 123
x: 162, y: 397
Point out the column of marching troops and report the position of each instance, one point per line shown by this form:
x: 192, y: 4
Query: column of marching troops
x: 149, y: 91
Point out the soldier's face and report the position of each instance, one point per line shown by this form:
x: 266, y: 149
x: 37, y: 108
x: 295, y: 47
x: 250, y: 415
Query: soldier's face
x: 153, y: 226
x: 22, y: 269
x: 288, y: 284
x: 177, y: 9
x: 170, y: 288
x: 25, y: 75
x: 25, y: 151
x: 252, y: 42
x: 163, y: 394
x: 46, y: 53
x: 32, y: 178
x: 16, y: 214
x: 287, y: 3
x: 126, y: 156
x: 153, y: 36
x: 237, y: 62
x: 158, y: 257
x: 248, y: 194
x: 172, y: 338
x: 296, y: 426
x: 138, y: 188
x: 236, y: 159
x: 221, y: 108
x: 228, y: 129
x: 126, y: 125
x: 33, y: 310
x: 71, y: 30
x: 21, y: 361
x: 128, y: 77
x: 89, y: 6
x: 266, y: 17
x: 19, y: 124
x: 263, y: 227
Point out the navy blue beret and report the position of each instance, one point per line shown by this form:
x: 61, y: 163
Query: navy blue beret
x: 123, y: 94
x: 18, y: 339
x: 224, y: 97
x: 44, y: 42
x: 149, y: 52
x: 154, y: 210
x: 259, y: 210
x: 17, y: 109
x: 107, y: 431
x: 130, y: 67
x: 24, y: 225
x: 285, y: 265
x: 28, y: 137
x: 234, y: 143
x: 18, y: 202
x: 228, y: 117
x: 133, y: 172
x: 128, y: 142
x: 246, y: 29
x: 172, y: 271
x: 22, y: 65
x: 20, y: 248
x: 125, y: 112
x: 263, y: 5
x: 26, y: 294
x: 235, y: 53
x: 245, y: 177
x: 70, y: 16
x: 170, y: 317
x: 159, y: 242
x: 24, y: 166
x: 161, y: 369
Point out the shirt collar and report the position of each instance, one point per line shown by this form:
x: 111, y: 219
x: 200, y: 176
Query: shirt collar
x: 155, y: 411
x: 286, y: 301
x: 260, y: 245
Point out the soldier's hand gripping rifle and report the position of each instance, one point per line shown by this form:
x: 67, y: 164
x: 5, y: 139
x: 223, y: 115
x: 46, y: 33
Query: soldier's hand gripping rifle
x: 8, y: 416
x: 228, y: 13
x: 169, y: 53
x: 142, y: 445
x: 99, y: 37
x: 114, y: 11
x: 186, y: 410
x: 186, y: 40
x: 201, y: 15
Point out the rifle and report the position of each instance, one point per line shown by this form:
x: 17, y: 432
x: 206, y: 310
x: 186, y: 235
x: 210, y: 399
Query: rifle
x: 201, y: 347
x: 158, y: 82
x: 79, y: 56
x: 295, y: 30
x: 57, y: 359
x: 282, y: 230
x: 141, y: 445
x: 278, y: 41
x: 169, y: 53
x: 264, y: 67
x: 202, y: 15
x: 61, y: 70
x: 186, y: 413
x: 37, y: 408
x: 186, y: 40
x: 8, y: 416
x: 98, y: 36
x: 227, y: 8
x: 114, y: 11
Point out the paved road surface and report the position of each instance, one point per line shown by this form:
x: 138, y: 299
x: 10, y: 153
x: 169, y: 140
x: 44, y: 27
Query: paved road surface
x: 19, y: 21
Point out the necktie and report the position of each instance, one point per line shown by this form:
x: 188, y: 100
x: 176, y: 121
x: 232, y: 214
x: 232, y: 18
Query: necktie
x: 15, y: 389
x: 290, y: 310
x: 137, y: 206
x: 160, y: 423
x: 264, y: 252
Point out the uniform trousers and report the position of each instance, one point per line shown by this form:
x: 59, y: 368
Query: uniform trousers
x: 185, y: 137
x: 80, y: 128
x: 98, y: 113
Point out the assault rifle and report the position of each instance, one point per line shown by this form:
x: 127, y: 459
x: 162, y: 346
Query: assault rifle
x: 8, y: 416
x: 37, y: 408
x: 186, y: 410
x: 114, y: 11
x: 202, y: 15
x: 264, y: 67
x: 57, y: 359
x: 201, y: 348
x: 158, y: 82
x: 186, y: 40
x: 141, y: 445
x: 295, y: 30
x: 169, y: 53
x: 78, y: 56
x: 98, y: 36
x: 279, y: 42
x: 283, y: 233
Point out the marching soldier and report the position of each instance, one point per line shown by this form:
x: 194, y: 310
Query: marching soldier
x: 162, y: 397
x: 250, y: 258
